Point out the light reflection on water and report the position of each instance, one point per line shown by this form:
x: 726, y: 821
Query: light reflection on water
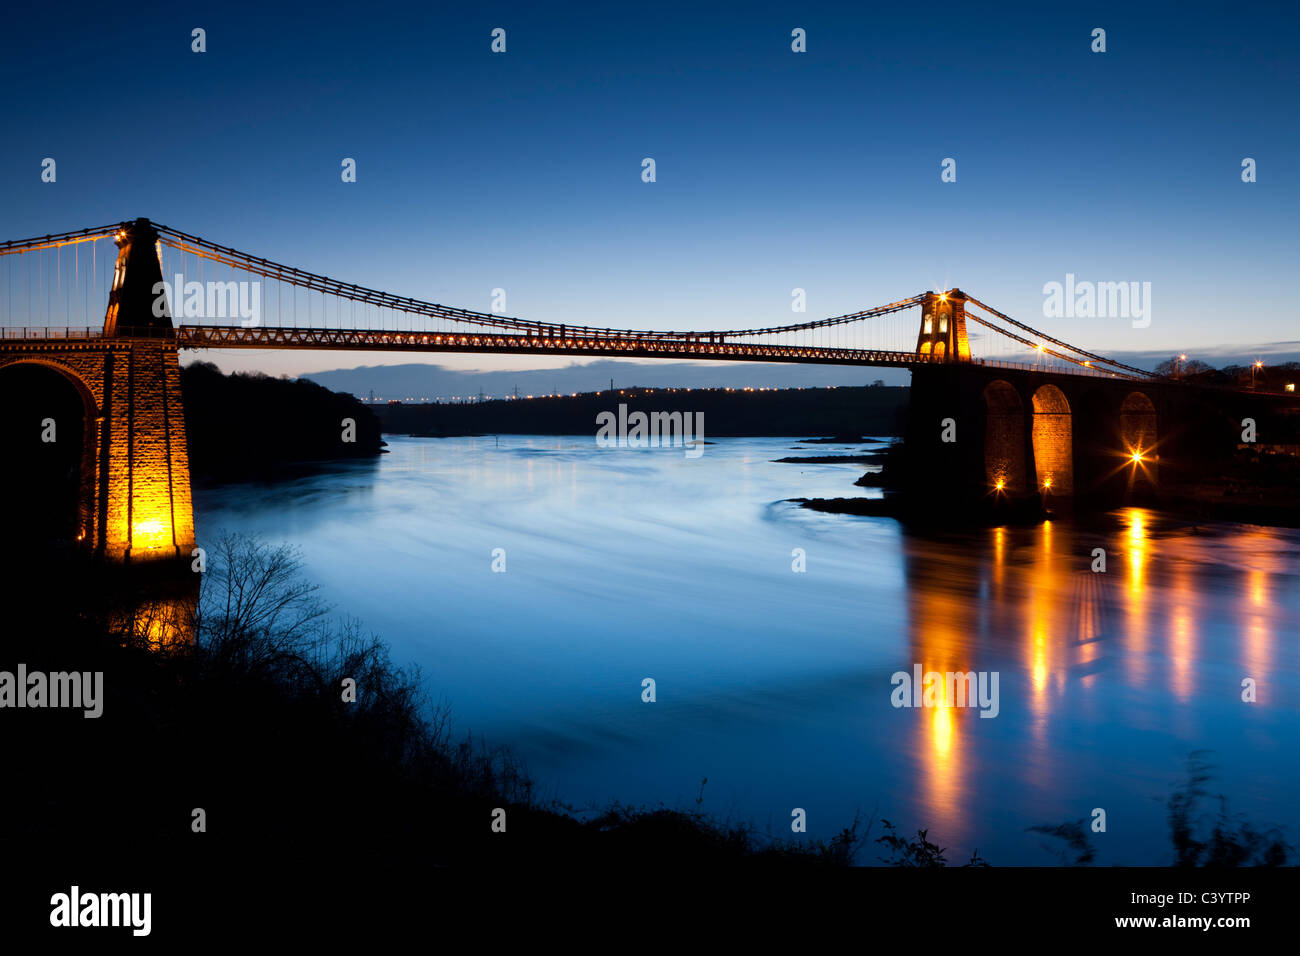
x: 624, y: 563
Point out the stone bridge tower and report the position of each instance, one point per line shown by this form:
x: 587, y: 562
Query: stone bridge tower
x: 134, y: 501
x: 943, y: 327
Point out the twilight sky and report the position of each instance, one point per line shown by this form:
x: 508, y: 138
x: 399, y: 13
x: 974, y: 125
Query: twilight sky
x: 775, y: 170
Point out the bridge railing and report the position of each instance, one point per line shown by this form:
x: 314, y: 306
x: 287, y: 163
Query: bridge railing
x: 51, y: 332
x: 1054, y: 368
x: 80, y: 332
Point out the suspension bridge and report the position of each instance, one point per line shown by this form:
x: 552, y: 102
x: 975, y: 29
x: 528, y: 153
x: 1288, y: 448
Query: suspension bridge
x: 973, y: 366
x: 302, y: 310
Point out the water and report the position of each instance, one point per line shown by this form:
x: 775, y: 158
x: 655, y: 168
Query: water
x: 623, y: 564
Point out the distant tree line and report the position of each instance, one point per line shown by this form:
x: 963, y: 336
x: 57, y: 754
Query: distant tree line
x: 1272, y: 377
x: 252, y: 426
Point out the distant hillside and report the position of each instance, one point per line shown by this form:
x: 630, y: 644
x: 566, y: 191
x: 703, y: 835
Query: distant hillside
x: 421, y: 381
x: 242, y: 427
x: 794, y: 412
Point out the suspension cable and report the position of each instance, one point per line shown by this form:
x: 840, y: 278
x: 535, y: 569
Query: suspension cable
x: 59, y: 239
x: 1141, y: 373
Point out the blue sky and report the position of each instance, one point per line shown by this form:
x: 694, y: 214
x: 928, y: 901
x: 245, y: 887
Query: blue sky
x: 775, y: 170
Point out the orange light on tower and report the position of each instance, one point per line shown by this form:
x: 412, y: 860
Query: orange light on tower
x: 150, y: 535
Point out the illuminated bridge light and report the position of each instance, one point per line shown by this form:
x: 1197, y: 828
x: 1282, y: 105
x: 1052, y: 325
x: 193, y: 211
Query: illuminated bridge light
x: 151, y: 535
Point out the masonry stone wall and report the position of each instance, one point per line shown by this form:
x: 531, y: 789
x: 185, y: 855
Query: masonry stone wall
x: 135, y: 479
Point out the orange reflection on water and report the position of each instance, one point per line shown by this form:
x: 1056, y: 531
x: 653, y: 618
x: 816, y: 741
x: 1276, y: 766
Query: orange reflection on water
x: 1257, y: 616
x: 999, y: 559
x: 942, y: 621
x: 943, y: 761
x: 1182, y: 647
x: 1178, y: 604
x: 941, y: 727
x: 162, y: 621
x: 1135, y: 603
x: 1044, y: 605
x: 1137, y: 547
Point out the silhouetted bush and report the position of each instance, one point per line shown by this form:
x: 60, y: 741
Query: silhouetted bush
x: 1229, y: 840
x: 918, y: 851
x: 1223, y: 840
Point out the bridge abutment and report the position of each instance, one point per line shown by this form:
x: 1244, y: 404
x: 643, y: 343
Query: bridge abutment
x: 983, y: 437
x: 134, y: 500
x: 148, y: 509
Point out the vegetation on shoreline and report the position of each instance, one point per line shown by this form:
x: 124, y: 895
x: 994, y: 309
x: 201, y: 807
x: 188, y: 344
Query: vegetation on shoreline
x: 727, y: 412
x: 245, y: 427
x: 1272, y: 377
x: 1209, y: 838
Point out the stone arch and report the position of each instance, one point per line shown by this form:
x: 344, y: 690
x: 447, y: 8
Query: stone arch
x: 1053, y: 441
x: 1137, y: 428
x: 925, y: 348
x: 88, y: 397
x: 1137, y: 423
x: 1004, y: 438
x: 940, y: 350
x: 53, y: 484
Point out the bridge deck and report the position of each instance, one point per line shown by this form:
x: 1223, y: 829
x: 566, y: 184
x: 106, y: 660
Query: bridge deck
x: 701, y: 347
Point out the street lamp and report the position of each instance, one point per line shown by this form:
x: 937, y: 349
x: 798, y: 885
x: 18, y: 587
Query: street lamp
x: 1258, y: 365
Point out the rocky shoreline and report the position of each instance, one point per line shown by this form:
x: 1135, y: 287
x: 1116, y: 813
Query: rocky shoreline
x: 1261, y: 488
